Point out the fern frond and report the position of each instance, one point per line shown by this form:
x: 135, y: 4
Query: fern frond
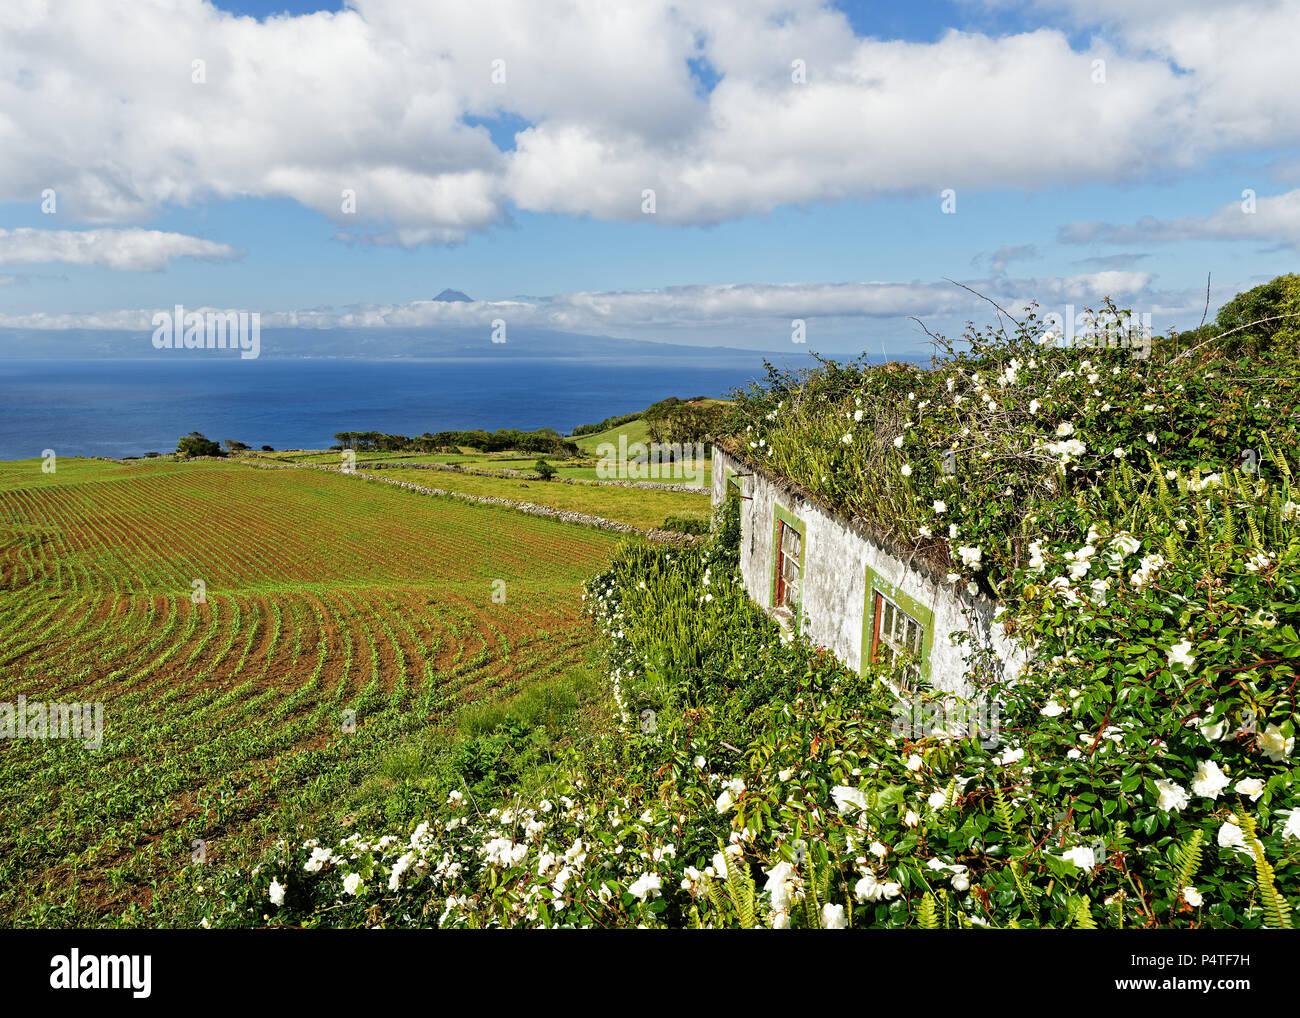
x: 1277, y: 911
x: 1187, y: 858
x: 740, y: 886
x: 1081, y: 915
x: 926, y: 914
x: 1023, y: 886
x: 1002, y: 814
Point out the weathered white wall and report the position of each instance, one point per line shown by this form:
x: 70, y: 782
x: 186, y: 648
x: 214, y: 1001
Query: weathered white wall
x: 836, y: 556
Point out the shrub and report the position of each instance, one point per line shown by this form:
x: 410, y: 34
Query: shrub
x: 687, y: 524
x: 195, y: 444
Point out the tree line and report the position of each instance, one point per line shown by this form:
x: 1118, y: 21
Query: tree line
x: 544, y: 440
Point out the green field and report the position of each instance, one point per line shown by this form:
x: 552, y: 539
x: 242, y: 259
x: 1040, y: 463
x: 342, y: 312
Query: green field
x: 635, y: 431
x: 582, y: 468
x: 226, y: 722
x: 638, y: 507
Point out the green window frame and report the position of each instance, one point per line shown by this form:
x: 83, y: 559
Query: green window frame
x: 732, y: 484
x: 880, y: 592
x: 783, y: 518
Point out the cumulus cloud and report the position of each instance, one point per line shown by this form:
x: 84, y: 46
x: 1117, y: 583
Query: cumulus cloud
x: 125, y: 249
x: 377, y: 105
x: 1274, y: 219
x: 684, y: 307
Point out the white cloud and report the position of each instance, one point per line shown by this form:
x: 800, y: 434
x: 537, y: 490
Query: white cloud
x: 685, y: 307
x: 1275, y: 219
x: 125, y: 249
x: 99, y: 105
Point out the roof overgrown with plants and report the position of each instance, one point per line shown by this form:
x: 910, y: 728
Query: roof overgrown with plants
x: 997, y: 446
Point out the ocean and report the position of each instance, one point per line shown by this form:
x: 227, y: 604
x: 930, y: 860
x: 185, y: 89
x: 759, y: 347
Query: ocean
x: 130, y: 407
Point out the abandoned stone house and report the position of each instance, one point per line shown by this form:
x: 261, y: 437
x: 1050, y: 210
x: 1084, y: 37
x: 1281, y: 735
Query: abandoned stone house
x: 852, y: 591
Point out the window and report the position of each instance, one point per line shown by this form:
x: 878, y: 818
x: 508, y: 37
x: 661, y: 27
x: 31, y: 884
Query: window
x: 896, y: 637
x: 789, y: 555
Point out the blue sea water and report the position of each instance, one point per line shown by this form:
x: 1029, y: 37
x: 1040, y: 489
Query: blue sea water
x: 129, y: 407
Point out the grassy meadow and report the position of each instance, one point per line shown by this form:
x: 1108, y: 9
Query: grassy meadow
x: 345, y: 627
x: 580, y: 468
x: 643, y: 508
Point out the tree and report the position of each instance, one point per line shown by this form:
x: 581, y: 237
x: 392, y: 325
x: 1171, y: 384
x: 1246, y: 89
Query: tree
x: 545, y: 469
x: 196, y: 444
x: 233, y: 445
x: 1272, y: 313
x: 676, y: 421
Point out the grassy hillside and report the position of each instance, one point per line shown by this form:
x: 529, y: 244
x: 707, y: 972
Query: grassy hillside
x: 225, y: 721
x: 635, y: 431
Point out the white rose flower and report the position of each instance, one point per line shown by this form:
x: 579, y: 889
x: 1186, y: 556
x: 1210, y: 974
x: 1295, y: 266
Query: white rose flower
x: 1082, y: 856
x: 1292, y: 827
x: 868, y: 888
x: 1180, y: 654
x: 1173, y: 796
x: 1274, y: 745
x: 647, y: 885
x: 1232, y: 837
x: 1252, y: 787
x: 846, y: 798
x: 277, y: 893
x: 833, y: 917
x: 1209, y: 780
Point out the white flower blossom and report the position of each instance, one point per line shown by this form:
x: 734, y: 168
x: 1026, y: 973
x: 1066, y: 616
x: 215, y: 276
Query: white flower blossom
x: 1274, y: 745
x: 1180, y: 654
x: 1173, y: 796
x: 276, y: 893
x: 1209, y: 780
x: 1082, y: 856
x: 646, y: 886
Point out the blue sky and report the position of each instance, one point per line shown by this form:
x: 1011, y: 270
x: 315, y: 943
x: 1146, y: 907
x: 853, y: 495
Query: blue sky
x: 258, y: 228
